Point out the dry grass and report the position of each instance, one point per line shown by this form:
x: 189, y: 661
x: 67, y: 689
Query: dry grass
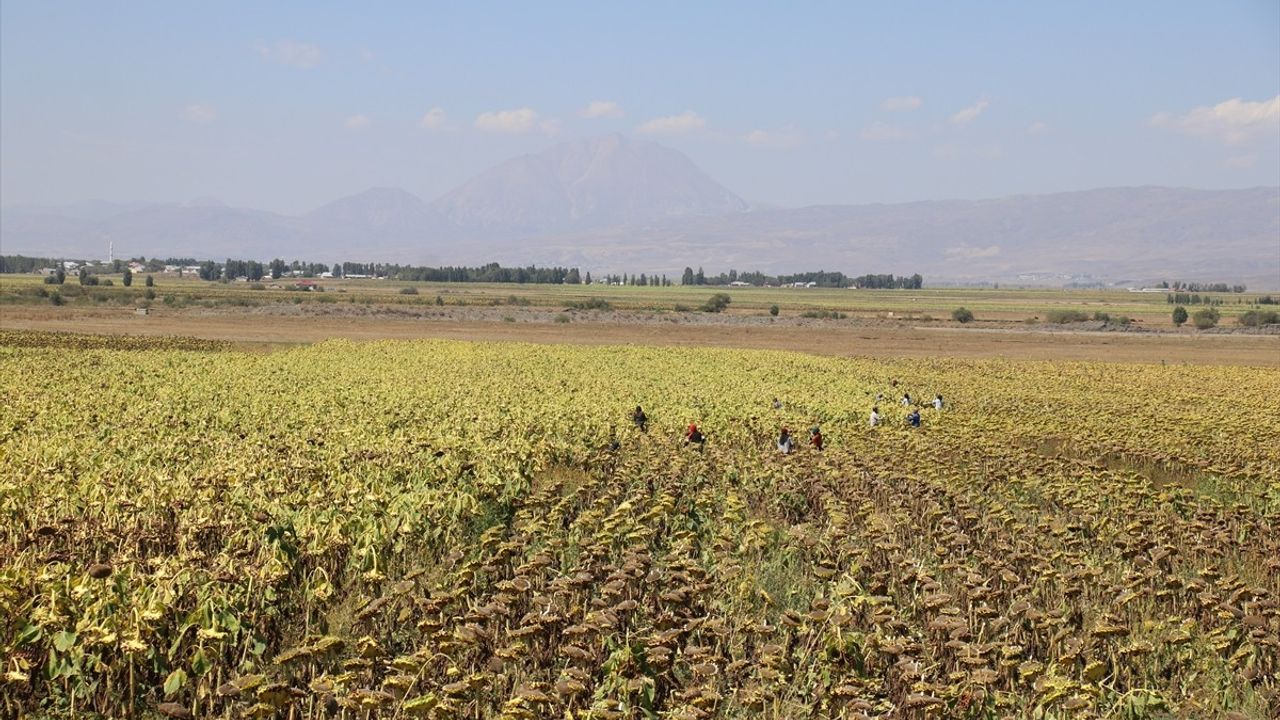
x: 870, y: 339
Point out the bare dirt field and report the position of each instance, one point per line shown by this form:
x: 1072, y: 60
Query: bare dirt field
x: 252, y: 328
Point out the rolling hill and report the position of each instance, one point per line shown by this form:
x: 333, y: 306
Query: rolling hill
x: 614, y: 204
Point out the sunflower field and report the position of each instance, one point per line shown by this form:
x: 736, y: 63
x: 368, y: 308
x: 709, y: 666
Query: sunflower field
x: 465, y: 530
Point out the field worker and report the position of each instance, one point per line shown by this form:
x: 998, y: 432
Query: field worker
x: 937, y: 402
x: 875, y: 417
x: 640, y: 419
x: 906, y: 400
x: 784, y: 442
x: 913, y: 418
x: 777, y: 404
x: 815, y: 438
x: 694, y: 435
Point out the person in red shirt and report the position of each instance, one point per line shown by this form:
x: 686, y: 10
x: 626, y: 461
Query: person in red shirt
x: 815, y: 437
x: 694, y: 435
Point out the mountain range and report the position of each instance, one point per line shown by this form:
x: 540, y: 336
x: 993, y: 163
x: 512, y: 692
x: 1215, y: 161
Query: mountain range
x: 617, y: 204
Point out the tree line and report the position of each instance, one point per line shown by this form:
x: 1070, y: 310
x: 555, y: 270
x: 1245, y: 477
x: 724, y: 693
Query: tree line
x: 1181, y: 298
x: 1196, y: 287
x: 820, y: 278
x: 254, y: 270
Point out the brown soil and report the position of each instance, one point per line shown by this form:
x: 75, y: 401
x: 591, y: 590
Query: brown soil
x: 875, y: 339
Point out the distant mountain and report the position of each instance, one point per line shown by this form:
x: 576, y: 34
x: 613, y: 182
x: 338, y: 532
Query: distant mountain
x: 613, y: 204
x: 378, y: 224
x: 1115, y: 233
x: 601, y: 182
x: 388, y: 209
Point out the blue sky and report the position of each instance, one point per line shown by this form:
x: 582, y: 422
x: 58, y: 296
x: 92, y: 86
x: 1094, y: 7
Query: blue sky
x: 286, y: 106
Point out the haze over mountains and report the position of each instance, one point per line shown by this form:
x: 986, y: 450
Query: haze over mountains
x: 616, y: 204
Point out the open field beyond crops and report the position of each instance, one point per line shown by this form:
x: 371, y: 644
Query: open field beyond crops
x: 989, y: 305
x: 442, y: 530
x: 877, y: 323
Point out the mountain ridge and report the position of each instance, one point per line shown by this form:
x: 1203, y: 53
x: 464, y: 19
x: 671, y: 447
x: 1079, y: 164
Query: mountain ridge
x: 612, y: 204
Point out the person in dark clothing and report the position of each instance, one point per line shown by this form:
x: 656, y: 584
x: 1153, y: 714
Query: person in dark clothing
x: 815, y: 437
x: 640, y: 419
x: 913, y: 418
x: 694, y: 435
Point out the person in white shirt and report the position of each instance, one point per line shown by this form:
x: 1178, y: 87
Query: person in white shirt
x: 784, y: 442
x: 937, y: 402
x: 875, y: 417
x: 906, y: 400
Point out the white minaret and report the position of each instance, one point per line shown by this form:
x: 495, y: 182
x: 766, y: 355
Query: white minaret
x: 111, y: 251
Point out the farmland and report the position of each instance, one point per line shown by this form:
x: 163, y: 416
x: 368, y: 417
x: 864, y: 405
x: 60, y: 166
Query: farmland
x: 1017, y: 305
x: 1008, y: 323
x: 447, y: 529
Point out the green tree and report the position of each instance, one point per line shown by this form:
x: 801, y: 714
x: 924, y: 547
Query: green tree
x: 59, y: 275
x: 127, y: 279
x: 716, y: 303
x: 1179, y: 316
x: 687, y: 277
x: 209, y: 270
x: 773, y: 310
x: 1205, y: 319
x: 962, y: 315
x: 151, y: 282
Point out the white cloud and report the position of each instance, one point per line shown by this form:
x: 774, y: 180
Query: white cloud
x: 968, y: 114
x: 291, y: 53
x: 434, y: 119
x: 898, y: 104
x: 1037, y: 128
x: 953, y: 151
x: 520, y: 120
x: 685, y: 122
x: 201, y: 113
x: 787, y: 137
x: 357, y: 122
x: 601, y: 109
x: 1233, y: 121
x: 879, y: 131
x: 1241, y: 162
x: 550, y: 126
x: 969, y: 252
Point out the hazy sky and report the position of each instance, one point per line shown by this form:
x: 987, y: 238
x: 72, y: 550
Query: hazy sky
x: 286, y: 106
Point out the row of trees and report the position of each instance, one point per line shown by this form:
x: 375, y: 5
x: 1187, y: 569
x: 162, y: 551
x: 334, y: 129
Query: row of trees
x: 86, y: 277
x: 819, y: 278
x: 1181, y: 298
x: 1201, y: 287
